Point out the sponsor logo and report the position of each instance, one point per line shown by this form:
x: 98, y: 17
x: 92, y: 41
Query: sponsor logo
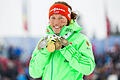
x: 56, y: 12
x: 70, y: 30
x: 57, y: 9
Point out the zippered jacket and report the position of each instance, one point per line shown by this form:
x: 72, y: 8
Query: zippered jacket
x: 69, y: 63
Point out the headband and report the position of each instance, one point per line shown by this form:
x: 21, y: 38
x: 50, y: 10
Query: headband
x: 60, y: 9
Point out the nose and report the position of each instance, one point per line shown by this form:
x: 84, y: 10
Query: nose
x: 56, y: 22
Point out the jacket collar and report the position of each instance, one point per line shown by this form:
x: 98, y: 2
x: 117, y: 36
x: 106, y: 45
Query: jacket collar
x: 72, y: 27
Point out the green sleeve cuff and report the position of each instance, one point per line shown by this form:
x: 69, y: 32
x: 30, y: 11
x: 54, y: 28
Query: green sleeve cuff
x: 68, y: 52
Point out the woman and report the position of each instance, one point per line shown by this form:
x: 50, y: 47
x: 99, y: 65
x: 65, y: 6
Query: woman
x: 65, y: 54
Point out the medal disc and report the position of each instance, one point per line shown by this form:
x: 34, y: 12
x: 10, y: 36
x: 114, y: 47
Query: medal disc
x: 51, y: 47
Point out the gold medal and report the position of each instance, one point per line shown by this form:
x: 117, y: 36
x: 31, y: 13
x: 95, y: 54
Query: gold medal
x: 51, y: 47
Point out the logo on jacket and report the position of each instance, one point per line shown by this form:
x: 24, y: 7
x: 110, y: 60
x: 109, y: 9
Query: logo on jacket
x: 66, y: 60
x: 70, y: 30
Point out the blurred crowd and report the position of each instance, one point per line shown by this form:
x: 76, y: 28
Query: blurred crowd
x: 12, y: 68
x: 107, y: 65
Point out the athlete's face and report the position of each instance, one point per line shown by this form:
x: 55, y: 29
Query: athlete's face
x: 57, y: 22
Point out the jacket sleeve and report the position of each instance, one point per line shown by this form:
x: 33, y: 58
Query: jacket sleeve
x: 81, y: 59
x: 38, y: 62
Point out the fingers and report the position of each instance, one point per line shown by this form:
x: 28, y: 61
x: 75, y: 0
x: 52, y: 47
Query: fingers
x: 52, y: 42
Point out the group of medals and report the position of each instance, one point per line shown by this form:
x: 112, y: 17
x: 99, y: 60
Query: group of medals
x: 53, y: 42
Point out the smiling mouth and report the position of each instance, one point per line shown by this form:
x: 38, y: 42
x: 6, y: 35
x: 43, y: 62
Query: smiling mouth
x: 57, y: 27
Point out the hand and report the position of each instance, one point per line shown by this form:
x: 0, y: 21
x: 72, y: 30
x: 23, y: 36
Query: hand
x: 42, y: 44
x: 60, y: 43
x: 64, y: 41
x: 53, y: 42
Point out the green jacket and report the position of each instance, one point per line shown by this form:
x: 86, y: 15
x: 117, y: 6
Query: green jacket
x: 69, y: 63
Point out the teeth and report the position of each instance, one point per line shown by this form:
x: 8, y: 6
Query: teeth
x: 57, y: 26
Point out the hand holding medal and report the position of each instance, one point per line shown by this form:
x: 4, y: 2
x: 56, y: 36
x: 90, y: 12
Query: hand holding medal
x: 48, y: 42
x: 52, y: 42
x: 42, y: 44
x: 64, y: 41
x: 58, y: 44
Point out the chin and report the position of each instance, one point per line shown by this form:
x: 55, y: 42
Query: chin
x: 56, y: 33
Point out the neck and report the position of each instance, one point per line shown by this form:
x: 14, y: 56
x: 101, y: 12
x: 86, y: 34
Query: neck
x: 57, y: 34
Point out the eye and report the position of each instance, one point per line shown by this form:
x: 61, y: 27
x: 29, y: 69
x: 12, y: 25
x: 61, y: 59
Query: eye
x: 52, y: 17
x: 60, y: 18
